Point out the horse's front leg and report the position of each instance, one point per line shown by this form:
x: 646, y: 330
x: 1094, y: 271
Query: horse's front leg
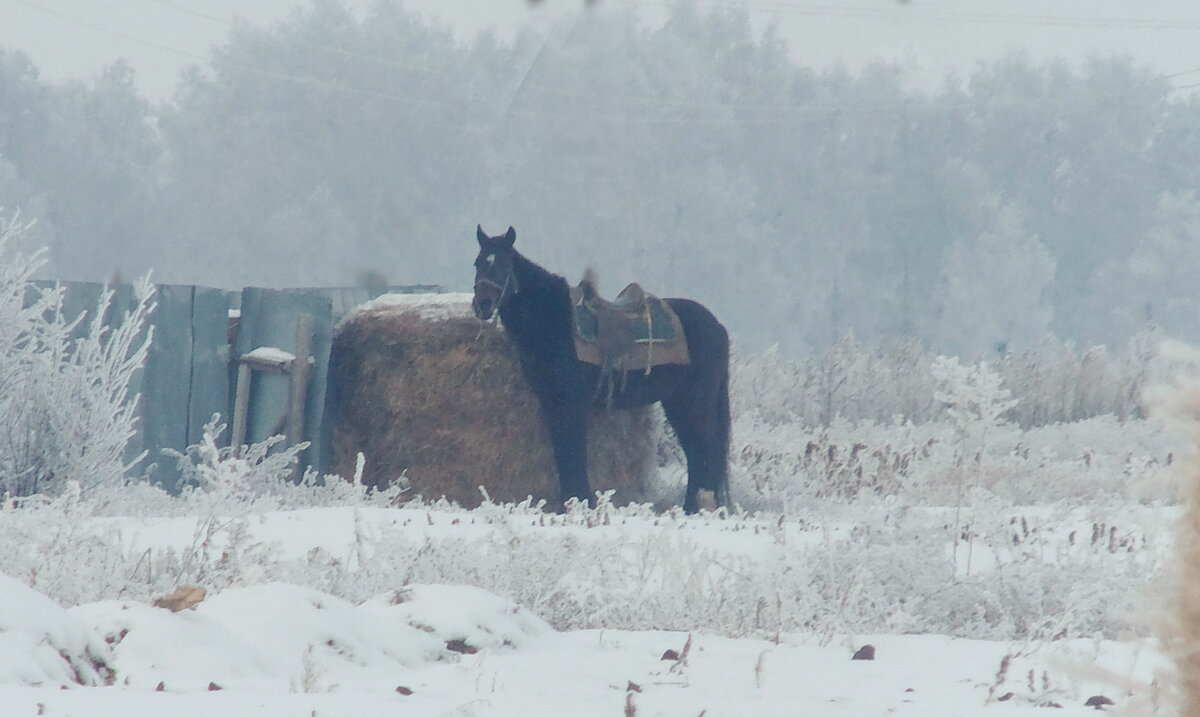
x: 567, y: 425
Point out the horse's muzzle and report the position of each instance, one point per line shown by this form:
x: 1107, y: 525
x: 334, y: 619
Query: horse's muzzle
x: 484, y: 308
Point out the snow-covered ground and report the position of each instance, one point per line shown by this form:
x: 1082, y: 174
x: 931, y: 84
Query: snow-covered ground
x: 993, y: 569
x: 265, y: 647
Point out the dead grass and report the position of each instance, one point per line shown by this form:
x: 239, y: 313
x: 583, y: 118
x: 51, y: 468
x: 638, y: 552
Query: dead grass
x: 1183, y: 632
x: 1178, y: 403
x: 443, y: 403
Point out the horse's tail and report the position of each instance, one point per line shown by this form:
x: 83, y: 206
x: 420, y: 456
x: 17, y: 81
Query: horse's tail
x: 724, y: 434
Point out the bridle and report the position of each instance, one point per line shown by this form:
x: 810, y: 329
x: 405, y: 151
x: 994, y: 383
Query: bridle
x: 508, y: 279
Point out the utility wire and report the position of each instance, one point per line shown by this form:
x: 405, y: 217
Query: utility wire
x: 294, y: 79
x: 924, y: 11
x: 376, y: 59
x: 107, y: 31
x: 780, y: 113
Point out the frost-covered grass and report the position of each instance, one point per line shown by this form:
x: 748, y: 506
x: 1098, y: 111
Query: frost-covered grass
x: 989, y: 568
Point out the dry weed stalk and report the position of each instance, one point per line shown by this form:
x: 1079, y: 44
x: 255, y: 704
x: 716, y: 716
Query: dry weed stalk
x: 1183, y: 638
x: 1180, y: 405
x: 1001, y: 676
x: 758, y: 669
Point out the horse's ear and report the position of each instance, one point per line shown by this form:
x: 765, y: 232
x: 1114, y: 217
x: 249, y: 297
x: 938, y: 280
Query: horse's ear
x: 479, y: 235
x: 510, y: 236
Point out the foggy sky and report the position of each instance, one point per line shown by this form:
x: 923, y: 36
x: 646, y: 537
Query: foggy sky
x: 76, y: 38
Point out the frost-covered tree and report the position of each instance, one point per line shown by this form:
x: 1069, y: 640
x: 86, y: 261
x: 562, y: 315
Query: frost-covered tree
x: 84, y: 157
x: 693, y: 155
x: 973, y: 395
x: 992, y: 293
x: 1157, y: 281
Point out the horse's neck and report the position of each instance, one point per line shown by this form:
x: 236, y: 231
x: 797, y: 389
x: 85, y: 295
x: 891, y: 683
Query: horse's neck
x: 540, y: 309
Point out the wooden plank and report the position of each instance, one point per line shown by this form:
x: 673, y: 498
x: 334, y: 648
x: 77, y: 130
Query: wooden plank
x: 299, y: 381
x: 298, y: 399
x: 241, y: 404
x: 166, y: 384
x: 210, y: 370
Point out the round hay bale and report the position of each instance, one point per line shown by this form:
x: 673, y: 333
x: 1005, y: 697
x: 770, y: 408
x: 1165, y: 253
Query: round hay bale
x: 438, y: 397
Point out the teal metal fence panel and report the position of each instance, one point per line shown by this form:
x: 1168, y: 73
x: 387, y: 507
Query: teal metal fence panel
x: 268, y: 319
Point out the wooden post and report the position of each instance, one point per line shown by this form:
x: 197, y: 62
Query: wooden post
x: 298, y: 399
x: 241, y: 406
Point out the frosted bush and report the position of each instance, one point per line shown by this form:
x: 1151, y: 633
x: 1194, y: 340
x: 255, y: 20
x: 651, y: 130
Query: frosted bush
x: 890, y: 379
x: 66, y: 411
x: 235, y: 479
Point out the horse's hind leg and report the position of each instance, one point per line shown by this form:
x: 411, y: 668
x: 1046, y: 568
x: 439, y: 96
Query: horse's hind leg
x: 696, y: 421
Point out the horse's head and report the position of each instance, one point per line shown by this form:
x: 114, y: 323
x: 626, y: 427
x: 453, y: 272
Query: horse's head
x: 494, y: 279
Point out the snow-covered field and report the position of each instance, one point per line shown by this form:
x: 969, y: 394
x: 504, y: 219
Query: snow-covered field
x: 993, y: 569
x: 274, y: 648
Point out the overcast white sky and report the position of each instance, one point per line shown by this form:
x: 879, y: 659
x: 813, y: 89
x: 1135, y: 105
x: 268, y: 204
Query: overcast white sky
x: 158, y: 37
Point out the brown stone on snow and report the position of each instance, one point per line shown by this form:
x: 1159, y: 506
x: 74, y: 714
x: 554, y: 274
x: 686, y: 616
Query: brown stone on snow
x: 866, y: 652
x: 461, y: 647
x: 1098, y: 702
x: 183, y: 598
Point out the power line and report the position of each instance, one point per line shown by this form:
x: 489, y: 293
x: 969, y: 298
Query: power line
x: 923, y: 11
x: 377, y: 59
x: 295, y: 79
x: 194, y: 13
x: 776, y: 113
x: 108, y: 31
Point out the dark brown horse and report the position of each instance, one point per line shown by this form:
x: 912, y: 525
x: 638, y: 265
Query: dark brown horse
x: 535, y: 307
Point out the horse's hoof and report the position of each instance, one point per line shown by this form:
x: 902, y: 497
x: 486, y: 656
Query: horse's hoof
x: 706, y: 500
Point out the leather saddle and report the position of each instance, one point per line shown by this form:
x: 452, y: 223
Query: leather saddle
x: 634, y: 331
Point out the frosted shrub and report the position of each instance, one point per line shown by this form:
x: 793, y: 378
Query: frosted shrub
x: 887, y: 379
x: 234, y: 479
x: 973, y: 397
x: 850, y: 381
x: 66, y: 413
x: 238, y: 480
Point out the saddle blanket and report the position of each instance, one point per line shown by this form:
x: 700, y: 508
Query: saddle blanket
x: 636, y: 331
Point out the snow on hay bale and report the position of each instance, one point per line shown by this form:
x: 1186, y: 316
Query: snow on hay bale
x: 424, y: 389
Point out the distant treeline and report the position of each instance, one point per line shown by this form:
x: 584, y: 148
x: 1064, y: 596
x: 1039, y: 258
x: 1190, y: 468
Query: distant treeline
x: 696, y: 157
